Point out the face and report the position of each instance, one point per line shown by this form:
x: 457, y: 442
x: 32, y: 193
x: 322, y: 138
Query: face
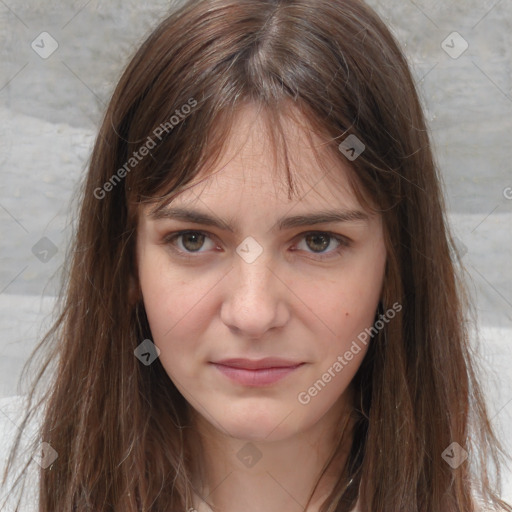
x: 255, y: 306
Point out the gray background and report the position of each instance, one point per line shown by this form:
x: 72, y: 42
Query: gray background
x: 50, y: 110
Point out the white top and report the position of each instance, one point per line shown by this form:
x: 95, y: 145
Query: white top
x: 11, y: 414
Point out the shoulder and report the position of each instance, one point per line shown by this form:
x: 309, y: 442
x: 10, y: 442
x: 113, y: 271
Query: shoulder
x: 484, y: 507
x: 479, y: 506
x: 12, y: 411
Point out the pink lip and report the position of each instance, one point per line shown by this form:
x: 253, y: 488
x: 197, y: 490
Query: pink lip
x: 256, y: 373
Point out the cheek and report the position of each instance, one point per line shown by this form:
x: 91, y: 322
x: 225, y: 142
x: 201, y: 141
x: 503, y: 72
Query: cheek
x: 176, y: 313
x: 349, y: 317
x: 168, y: 300
x: 362, y: 289
x: 179, y: 309
x: 345, y: 306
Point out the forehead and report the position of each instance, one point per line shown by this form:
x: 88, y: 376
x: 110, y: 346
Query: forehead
x: 253, y: 163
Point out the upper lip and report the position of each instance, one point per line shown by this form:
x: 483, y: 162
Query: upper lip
x: 258, y: 364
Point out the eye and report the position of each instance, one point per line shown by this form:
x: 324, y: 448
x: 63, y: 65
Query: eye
x: 319, y: 241
x: 186, y: 243
x: 191, y: 241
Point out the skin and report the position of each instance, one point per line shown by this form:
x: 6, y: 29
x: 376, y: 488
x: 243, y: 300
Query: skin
x: 286, y: 303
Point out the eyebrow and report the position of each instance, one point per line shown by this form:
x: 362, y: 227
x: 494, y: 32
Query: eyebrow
x: 321, y: 217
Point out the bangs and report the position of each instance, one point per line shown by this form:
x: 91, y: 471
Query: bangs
x: 213, y: 146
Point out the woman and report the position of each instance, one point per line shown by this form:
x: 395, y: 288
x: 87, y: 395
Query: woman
x: 226, y: 342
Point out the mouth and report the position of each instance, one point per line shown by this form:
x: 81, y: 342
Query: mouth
x: 255, y: 373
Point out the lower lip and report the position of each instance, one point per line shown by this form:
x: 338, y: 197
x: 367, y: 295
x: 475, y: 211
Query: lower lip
x: 255, y: 378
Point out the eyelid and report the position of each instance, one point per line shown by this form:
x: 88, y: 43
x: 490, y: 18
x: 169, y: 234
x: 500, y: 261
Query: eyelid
x: 343, y: 241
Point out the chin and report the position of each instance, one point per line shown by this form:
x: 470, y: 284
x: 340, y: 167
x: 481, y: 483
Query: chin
x: 258, y: 432
x: 260, y: 424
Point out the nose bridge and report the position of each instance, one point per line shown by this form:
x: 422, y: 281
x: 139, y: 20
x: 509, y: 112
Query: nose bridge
x: 254, y: 278
x: 253, y: 301
x: 253, y: 263
x: 262, y: 270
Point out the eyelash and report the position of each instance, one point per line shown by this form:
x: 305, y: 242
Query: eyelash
x: 343, y: 243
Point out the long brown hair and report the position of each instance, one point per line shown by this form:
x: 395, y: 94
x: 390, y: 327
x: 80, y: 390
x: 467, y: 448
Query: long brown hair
x: 119, y: 426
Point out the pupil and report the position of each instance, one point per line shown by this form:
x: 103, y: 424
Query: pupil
x: 189, y: 236
x: 316, y: 237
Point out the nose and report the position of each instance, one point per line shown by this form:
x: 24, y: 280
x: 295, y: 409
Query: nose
x: 255, y: 299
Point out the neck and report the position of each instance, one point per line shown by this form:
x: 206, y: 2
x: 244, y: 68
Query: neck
x: 236, y: 474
